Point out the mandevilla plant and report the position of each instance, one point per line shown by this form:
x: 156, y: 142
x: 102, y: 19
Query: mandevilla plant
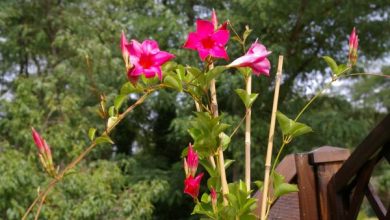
x: 149, y: 69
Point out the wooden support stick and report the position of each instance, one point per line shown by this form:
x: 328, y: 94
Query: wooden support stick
x: 248, y: 137
x: 270, y: 140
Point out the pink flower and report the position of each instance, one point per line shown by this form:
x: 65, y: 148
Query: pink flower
x: 353, y: 47
x: 145, y: 58
x: 255, y: 58
x: 192, y: 185
x: 191, y: 162
x: 209, y: 40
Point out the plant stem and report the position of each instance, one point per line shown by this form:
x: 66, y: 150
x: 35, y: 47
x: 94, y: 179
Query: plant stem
x: 248, y: 82
x: 70, y: 166
x: 221, y: 160
x: 270, y: 139
x: 327, y: 86
x: 277, y: 157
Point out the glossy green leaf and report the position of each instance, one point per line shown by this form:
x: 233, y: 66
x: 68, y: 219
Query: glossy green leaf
x: 228, y: 163
x: 103, y: 139
x: 213, y: 73
x: 119, y: 101
x: 173, y: 81
x: 129, y: 88
x: 225, y: 140
x: 205, y: 198
x: 331, y: 63
x: 290, y: 127
x: 111, y: 111
x: 259, y: 184
x: 91, y: 133
x: 246, y: 98
x: 281, y: 187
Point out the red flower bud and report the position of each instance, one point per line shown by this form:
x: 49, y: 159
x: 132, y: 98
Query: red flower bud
x: 192, y: 185
x: 39, y: 142
x: 213, y: 195
x: 192, y: 161
x: 353, y: 47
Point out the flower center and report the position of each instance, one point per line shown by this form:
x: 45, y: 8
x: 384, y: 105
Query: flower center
x: 207, y: 43
x: 146, y: 61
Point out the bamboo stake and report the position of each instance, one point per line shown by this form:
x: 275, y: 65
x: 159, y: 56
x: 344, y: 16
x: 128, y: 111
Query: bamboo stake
x: 270, y: 140
x: 221, y: 160
x: 248, y: 137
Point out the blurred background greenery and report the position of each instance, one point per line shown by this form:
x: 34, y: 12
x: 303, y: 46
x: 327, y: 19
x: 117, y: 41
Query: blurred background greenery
x: 57, y: 57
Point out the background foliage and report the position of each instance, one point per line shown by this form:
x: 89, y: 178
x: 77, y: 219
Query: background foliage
x: 57, y: 57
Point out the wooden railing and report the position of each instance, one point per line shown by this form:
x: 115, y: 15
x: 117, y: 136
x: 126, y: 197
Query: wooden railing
x: 332, y: 184
x: 351, y: 183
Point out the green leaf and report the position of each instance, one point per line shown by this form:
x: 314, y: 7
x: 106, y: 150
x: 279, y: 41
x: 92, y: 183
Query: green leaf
x: 331, y: 63
x: 205, y: 198
x: 205, y: 163
x: 281, y: 187
x: 213, y: 73
x: 173, y: 81
x: 91, y: 133
x: 259, y: 184
x: 246, y: 71
x: 119, y: 101
x: 129, y: 88
x: 246, y: 98
x: 342, y: 68
x: 168, y: 66
x: 103, y: 139
x: 290, y: 127
x: 225, y: 140
x: 228, y: 163
x: 111, y: 111
x: 181, y: 73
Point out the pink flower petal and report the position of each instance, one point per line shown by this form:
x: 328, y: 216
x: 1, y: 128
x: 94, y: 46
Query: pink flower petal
x: 219, y: 52
x: 150, y: 47
x: 204, y: 28
x: 150, y: 73
x: 134, y: 48
x: 203, y: 53
x: 214, y: 19
x: 221, y: 37
x: 123, y: 43
x: 243, y: 61
x: 262, y: 67
x: 192, y: 41
x: 136, y: 71
x: 161, y: 57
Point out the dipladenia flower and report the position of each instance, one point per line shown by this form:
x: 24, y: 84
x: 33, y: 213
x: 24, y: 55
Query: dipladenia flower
x: 143, y: 58
x: 209, y: 40
x: 353, y: 47
x: 44, y: 152
x: 192, y: 185
x: 255, y: 58
x: 191, y: 162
